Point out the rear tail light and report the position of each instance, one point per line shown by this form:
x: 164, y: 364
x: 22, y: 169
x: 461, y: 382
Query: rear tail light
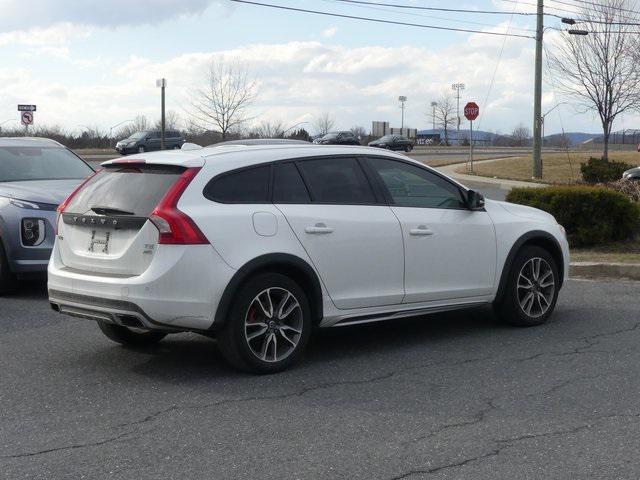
x: 61, y: 208
x: 175, y: 227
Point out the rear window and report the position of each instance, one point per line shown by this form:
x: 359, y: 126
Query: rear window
x: 38, y: 163
x: 126, y: 189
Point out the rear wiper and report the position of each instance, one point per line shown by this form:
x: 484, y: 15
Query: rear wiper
x: 109, y: 211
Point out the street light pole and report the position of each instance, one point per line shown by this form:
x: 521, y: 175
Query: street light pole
x: 433, y: 115
x: 458, y: 87
x: 402, y: 99
x: 162, y: 83
x: 537, y: 95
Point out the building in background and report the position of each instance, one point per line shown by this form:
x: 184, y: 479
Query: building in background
x: 380, y: 129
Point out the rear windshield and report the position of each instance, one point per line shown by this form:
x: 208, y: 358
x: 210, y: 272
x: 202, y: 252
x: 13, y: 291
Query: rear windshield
x: 38, y: 163
x: 125, y: 190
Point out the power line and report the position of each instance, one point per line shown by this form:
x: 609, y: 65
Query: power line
x: 457, y: 10
x: 378, y: 20
x: 371, y: 6
x: 593, y: 4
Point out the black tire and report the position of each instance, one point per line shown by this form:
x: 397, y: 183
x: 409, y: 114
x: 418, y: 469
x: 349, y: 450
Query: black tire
x: 7, y: 278
x: 126, y: 336
x: 407, y: 149
x: 141, y: 150
x: 509, y: 309
x: 232, y: 341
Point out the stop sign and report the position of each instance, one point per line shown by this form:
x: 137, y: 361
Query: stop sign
x: 471, y: 111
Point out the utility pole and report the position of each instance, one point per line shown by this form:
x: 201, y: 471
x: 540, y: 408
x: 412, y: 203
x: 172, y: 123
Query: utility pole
x: 162, y: 83
x: 433, y: 115
x: 402, y: 99
x: 458, y: 87
x: 537, y: 94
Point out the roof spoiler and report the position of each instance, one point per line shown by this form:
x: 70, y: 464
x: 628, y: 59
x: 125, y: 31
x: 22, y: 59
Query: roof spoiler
x: 190, y: 146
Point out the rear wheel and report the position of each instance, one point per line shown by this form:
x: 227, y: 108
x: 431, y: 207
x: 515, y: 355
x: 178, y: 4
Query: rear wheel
x: 127, y: 336
x: 141, y: 150
x: 407, y: 149
x: 532, y: 288
x: 7, y: 279
x: 268, y: 326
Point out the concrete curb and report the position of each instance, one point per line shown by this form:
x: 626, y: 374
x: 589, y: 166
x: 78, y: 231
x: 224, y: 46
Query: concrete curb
x: 605, y: 270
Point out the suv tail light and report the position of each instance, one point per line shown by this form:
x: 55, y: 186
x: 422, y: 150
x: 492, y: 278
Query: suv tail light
x: 175, y: 227
x: 61, y: 208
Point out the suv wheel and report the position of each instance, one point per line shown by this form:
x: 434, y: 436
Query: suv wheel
x: 130, y: 337
x: 7, y: 279
x: 141, y: 150
x: 407, y: 148
x: 532, y: 288
x: 268, y: 326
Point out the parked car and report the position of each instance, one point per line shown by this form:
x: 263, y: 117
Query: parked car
x: 631, y: 174
x: 257, y: 245
x: 338, y: 138
x: 393, y: 142
x: 261, y: 141
x: 148, y: 141
x: 36, y: 174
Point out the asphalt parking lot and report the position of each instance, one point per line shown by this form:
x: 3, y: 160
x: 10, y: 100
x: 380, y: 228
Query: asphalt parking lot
x: 449, y: 396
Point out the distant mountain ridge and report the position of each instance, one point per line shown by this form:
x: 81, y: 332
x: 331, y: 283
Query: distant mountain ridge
x: 574, y: 138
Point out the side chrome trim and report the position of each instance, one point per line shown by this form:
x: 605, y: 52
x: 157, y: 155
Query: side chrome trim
x: 356, y: 320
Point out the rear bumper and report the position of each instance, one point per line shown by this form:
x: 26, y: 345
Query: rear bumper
x: 180, y: 290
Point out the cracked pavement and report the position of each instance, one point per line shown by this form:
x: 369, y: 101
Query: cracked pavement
x: 449, y: 396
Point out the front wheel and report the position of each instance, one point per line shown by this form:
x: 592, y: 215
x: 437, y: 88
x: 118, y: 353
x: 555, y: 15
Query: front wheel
x: 127, y: 336
x: 268, y: 326
x: 141, y: 150
x: 532, y: 288
x: 407, y: 148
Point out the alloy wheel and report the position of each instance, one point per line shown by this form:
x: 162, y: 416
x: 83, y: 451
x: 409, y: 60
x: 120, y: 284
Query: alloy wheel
x: 535, y: 287
x: 273, y: 324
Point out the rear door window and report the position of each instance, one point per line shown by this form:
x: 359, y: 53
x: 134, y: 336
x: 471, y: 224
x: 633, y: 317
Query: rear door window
x: 288, y: 186
x: 249, y: 185
x: 125, y: 190
x: 337, y: 181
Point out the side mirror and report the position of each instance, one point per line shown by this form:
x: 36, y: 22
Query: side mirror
x: 475, y: 200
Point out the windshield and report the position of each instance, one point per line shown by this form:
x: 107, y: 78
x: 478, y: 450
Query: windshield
x: 138, y: 135
x: 386, y: 138
x: 38, y: 163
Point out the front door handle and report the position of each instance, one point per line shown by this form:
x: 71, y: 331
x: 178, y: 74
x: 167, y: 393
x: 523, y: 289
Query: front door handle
x: 319, y: 228
x: 422, y: 230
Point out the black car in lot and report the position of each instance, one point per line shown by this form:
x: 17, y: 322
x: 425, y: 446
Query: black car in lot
x: 393, y: 142
x: 338, y: 138
x: 148, y: 141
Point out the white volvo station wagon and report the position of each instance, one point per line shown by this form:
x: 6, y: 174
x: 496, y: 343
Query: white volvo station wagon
x: 258, y: 245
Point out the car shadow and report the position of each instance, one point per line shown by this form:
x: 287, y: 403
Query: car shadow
x: 191, y: 358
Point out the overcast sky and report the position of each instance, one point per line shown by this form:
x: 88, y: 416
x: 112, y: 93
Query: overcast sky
x: 94, y: 63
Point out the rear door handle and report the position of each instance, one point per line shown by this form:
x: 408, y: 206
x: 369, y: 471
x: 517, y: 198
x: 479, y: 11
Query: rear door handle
x: 422, y: 230
x: 319, y: 228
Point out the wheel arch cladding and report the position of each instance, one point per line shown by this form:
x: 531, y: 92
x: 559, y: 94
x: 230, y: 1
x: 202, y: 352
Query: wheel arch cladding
x: 293, y: 267
x: 537, y: 238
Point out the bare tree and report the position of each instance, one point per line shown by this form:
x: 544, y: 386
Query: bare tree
x: 222, y: 105
x: 445, y: 114
x: 599, y: 70
x: 269, y: 129
x: 359, y: 132
x: 140, y: 123
x: 521, y: 136
x: 171, y: 121
x: 324, y: 123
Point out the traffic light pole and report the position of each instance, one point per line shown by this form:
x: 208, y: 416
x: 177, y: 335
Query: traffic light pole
x: 537, y: 100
